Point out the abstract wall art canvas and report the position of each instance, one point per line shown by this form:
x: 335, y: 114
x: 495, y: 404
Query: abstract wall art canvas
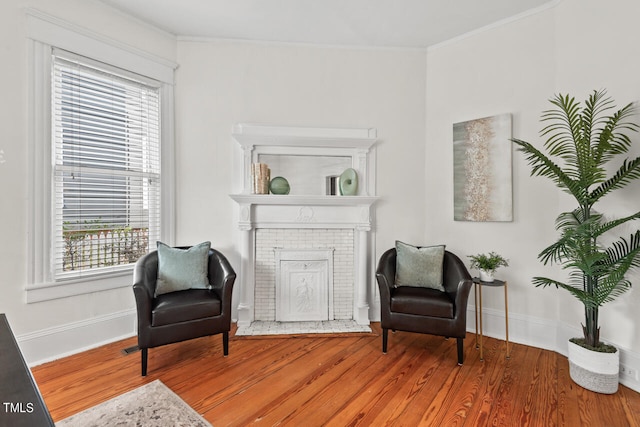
x: 482, y: 182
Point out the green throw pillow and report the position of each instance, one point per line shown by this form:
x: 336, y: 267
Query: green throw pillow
x: 419, y: 266
x: 181, y: 269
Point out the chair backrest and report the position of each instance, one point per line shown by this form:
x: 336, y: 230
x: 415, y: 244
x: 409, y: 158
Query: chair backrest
x: 146, y: 269
x: 453, y: 269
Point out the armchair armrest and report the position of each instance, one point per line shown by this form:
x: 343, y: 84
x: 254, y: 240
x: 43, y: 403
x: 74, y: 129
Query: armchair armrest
x: 221, y: 278
x: 143, y: 305
x: 145, y: 275
x: 386, y: 273
x: 462, y: 295
x: 457, y: 280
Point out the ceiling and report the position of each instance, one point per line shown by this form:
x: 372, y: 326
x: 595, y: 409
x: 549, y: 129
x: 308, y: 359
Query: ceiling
x: 376, y: 23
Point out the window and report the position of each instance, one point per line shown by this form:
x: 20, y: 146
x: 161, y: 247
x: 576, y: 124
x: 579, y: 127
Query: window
x: 100, y: 139
x: 106, y: 166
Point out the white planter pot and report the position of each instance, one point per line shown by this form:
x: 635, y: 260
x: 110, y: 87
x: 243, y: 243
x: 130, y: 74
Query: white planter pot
x: 486, y: 276
x: 593, y: 370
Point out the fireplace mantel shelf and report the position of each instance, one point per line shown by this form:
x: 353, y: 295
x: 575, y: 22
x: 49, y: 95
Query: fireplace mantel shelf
x: 301, y: 200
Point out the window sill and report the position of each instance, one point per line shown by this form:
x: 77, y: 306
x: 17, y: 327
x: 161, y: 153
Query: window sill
x: 50, y: 291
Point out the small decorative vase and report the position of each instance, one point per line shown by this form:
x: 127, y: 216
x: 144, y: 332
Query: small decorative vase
x: 594, y: 370
x: 348, y: 182
x: 486, y: 275
x: 279, y: 185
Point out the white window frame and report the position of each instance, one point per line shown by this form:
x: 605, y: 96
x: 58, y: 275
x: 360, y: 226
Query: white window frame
x: 45, y: 33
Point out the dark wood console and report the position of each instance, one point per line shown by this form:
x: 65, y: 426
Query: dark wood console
x: 21, y: 403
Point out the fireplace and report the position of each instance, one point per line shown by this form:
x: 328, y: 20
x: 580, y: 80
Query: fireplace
x: 304, y: 285
x: 306, y: 255
x: 326, y: 253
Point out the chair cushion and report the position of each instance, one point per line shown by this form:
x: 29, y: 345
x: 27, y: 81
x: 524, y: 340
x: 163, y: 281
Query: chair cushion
x: 180, y: 269
x: 183, y: 306
x: 419, y: 266
x: 422, y: 302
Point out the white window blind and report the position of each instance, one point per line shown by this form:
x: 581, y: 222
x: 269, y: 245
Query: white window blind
x: 106, y: 166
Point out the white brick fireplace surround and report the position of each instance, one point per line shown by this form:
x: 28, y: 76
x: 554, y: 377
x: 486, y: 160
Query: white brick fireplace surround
x: 334, y: 244
x: 320, y: 240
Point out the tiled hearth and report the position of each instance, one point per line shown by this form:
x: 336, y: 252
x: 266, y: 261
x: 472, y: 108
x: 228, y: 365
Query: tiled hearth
x: 291, y: 328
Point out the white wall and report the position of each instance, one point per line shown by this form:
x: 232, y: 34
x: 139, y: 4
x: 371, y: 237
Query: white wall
x: 221, y: 83
x: 509, y: 69
x: 576, y: 47
x: 54, y: 327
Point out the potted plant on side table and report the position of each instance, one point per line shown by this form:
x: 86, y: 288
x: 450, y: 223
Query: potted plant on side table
x: 487, y: 264
x: 581, y: 143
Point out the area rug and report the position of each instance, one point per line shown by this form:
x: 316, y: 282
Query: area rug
x: 152, y: 405
x: 263, y: 328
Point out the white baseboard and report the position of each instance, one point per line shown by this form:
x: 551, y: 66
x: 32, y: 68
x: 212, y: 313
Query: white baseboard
x: 523, y: 329
x: 631, y: 360
x: 60, y: 341
x: 374, y: 311
x: 546, y: 334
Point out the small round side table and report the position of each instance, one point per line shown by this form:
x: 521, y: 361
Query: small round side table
x: 478, y: 284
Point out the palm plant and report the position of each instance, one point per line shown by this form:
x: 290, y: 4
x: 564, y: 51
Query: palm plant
x: 581, y: 143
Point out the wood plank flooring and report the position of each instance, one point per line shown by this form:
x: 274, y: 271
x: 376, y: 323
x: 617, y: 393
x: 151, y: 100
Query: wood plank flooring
x: 319, y: 380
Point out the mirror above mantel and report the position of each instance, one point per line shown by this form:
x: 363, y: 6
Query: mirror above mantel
x: 307, y: 157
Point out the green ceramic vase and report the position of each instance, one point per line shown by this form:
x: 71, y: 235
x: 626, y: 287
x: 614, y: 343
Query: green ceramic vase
x: 279, y: 185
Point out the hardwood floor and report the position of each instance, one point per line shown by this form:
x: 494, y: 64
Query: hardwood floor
x: 317, y: 380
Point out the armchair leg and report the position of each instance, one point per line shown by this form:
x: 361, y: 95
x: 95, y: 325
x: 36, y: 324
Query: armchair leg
x: 225, y: 343
x: 385, y: 333
x: 144, y: 354
x: 460, y: 350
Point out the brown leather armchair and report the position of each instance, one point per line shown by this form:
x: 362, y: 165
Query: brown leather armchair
x: 423, y: 310
x: 182, y: 315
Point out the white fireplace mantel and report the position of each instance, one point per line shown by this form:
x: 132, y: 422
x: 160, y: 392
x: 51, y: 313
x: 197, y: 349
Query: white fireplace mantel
x: 302, y: 211
x: 286, y: 211
x: 284, y: 200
